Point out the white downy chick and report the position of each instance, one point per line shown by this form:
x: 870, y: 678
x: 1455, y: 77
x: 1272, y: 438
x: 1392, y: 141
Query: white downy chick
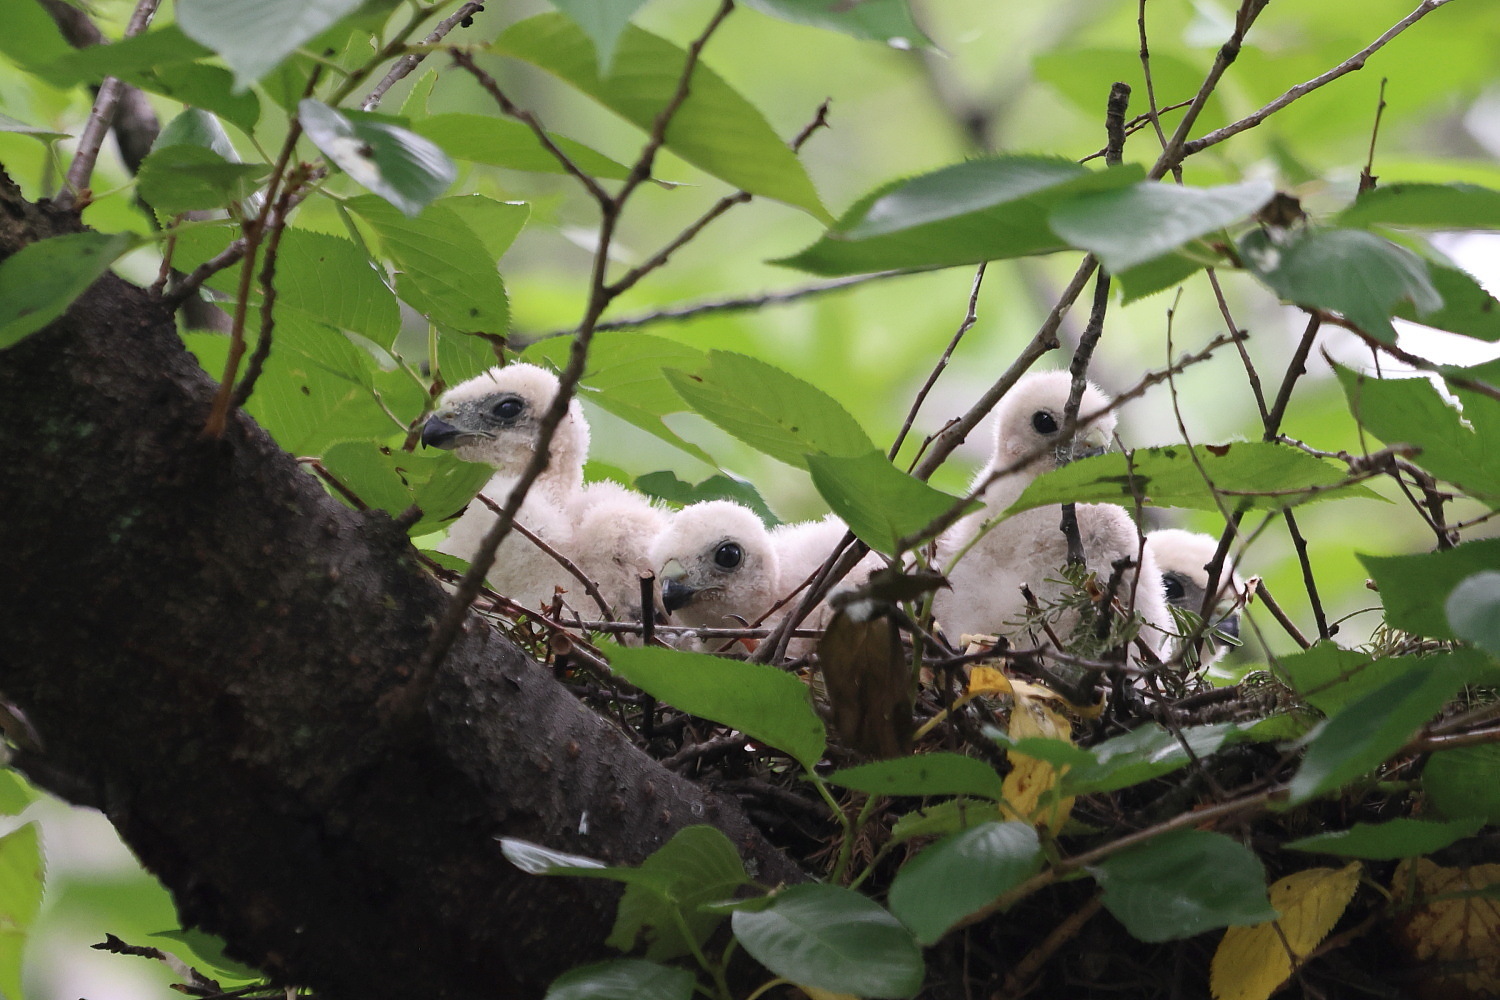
x: 1184, y: 557
x: 613, y: 531
x: 801, y: 548
x: 1029, y: 548
x: 717, y: 567
x: 494, y: 418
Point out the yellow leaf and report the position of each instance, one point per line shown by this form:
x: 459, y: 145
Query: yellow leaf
x: 988, y: 680
x: 1461, y: 932
x: 1028, y: 787
x: 814, y: 993
x: 1251, y: 962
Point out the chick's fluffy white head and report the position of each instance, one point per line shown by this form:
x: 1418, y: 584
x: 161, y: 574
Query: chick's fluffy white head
x: 715, y: 560
x: 1030, y: 419
x: 1184, y: 557
x: 495, y: 417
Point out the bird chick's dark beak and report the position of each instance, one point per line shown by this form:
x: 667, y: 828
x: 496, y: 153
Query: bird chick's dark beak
x: 438, y: 433
x: 675, y: 594
x: 1229, y: 625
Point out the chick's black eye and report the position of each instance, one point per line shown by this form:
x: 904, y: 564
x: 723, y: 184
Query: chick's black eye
x: 507, y: 408
x: 1173, y: 584
x: 728, y: 555
x: 1044, y: 422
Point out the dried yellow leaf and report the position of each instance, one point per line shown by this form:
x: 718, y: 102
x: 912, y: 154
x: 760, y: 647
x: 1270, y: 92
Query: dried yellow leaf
x: 1251, y: 962
x: 1460, y: 932
x: 1027, y: 787
x: 988, y: 680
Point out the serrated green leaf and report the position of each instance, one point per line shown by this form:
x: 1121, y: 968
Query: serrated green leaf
x: 767, y: 704
x: 254, y: 36
x: 1133, y: 225
x: 22, y: 872
x: 1414, y: 588
x: 16, y: 792
x: 1425, y: 206
x: 496, y: 223
x: 1465, y: 782
x: 1328, y: 677
x: 498, y: 142
x: 943, y: 818
x: 40, y: 281
x: 127, y: 58
x: 399, y: 165
x: 939, y: 773
x: 1347, y: 271
x: 962, y: 874
x: 176, y: 179
x: 698, y: 865
x: 446, y: 273
x: 880, y: 503
x: 770, y: 409
x: 888, y: 21
x: 833, y: 939
x: 1473, y: 610
x: 1258, y: 474
x: 441, y: 484
x: 13, y: 125
x: 1156, y: 275
x: 1455, y: 446
x: 1369, y: 730
x: 603, y: 21
x: 1184, y: 883
x: 1467, y: 308
x: 622, y: 979
x: 715, y: 129
x: 666, y: 486
x: 1398, y: 838
x: 970, y: 212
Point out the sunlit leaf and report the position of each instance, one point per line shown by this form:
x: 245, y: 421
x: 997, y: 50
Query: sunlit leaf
x: 254, y: 36
x: 666, y: 486
x: 402, y: 167
x: 499, y: 142
x: 880, y: 503
x: 602, y: 21
x: 40, y: 281
x: 22, y: 871
x: 888, y: 21
x: 622, y: 979
x: 1251, y: 962
x: 835, y: 939
x: 15, y: 792
x: 1397, y: 838
x: 961, y: 875
x: 766, y: 704
x: 441, y: 484
x: 939, y: 773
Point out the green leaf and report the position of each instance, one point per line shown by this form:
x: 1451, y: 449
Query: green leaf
x: 1347, y: 271
x: 254, y: 36
x: 949, y: 816
x: 502, y: 143
x: 1258, y: 474
x: 40, y: 281
x: 961, y: 875
x: 205, y: 952
x: 16, y: 792
x: 888, y: 21
x: 698, y: 865
x: 939, y: 773
x: 401, y: 166
x: 1133, y: 225
x: 9, y: 124
x: 127, y: 58
x: 833, y: 939
x: 769, y: 409
x: 980, y: 210
x: 208, y: 87
x: 1398, y: 838
x: 666, y: 486
x: 1425, y: 206
x: 22, y: 872
x: 1371, y: 729
x: 195, y: 127
x: 1473, y: 610
x: 880, y: 503
x: 441, y: 484
x: 176, y: 179
x: 602, y: 21
x: 1140, y: 755
x: 767, y: 704
x: 496, y: 223
x: 1415, y: 588
x: 1467, y: 308
x: 622, y: 979
x: 715, y: 129
x: 1184, y: 883
x: 1157, y: 275
x: 1455, y: 446
x: 31, y: 38
x: 446, y: 272
x: 1328, y: 677
x: 1465, y: 781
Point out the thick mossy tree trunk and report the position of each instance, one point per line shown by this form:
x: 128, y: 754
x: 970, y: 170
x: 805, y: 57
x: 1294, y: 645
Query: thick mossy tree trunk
x: 218, y: 656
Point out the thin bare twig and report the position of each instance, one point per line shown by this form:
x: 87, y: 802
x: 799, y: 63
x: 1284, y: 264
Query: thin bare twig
x: 1263, y: 595
x: 589, y: 587
x: 970, y: 318
x: 276, y: 223
x: 463, y: 17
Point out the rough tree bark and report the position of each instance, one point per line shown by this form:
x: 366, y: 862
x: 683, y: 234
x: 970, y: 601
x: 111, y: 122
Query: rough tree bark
x: 207, y: 646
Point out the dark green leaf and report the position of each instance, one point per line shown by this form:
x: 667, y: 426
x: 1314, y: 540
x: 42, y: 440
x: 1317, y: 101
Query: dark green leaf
x: 208, y: 87
x: 961, y: 875
x: 402, y: 167
x: 446, y: 274
x: 176, y: 179
x: 888, y: 21
x: 698, y: 865
x: 715, y: 129
x: 939, y: 773
x: 622, y: 979
x: 1184, y: 883
x: 501, y: 143
x: 666, y: 486
x: 1473, y: 610
x: 40, y: 281
x: 254, y: 36
x: 1467, y: 308
x: 1398, y: 838
x: 602, y: 21
x: 970, y: 212
x: 441, y: 484
x: 1465, y: 781
x: 1414, y: 588
x: 1347, y: 271
x: 766, y: 704
x: 769, y: 409
x: 945, y: 817
x: 9, y: 124
x: 127, y: 58
x: 880, y: 503
x: 1371, y: 729
x: 1157, y: 275
x: 1261, y: 475
x: 1328, y: 677
x: 1133, y: 225
x: 22, y: 872
x: 1142, y: 754
x: 1425, y: 206
x: 834, y: 939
